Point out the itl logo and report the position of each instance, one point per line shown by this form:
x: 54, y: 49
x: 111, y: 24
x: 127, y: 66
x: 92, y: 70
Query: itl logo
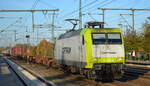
x: 66, y: 50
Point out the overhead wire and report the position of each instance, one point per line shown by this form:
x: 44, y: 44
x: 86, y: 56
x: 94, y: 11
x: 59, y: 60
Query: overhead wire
x: 90, y: 15
x: 87, y: 5
x: 124, y: 18
x: 33, y: 6
x: 47, y: 4
x: 138, y: 14
x: 101, y: 4
x: 77, y: 10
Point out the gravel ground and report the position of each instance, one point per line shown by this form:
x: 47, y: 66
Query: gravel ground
x: 62, y: 79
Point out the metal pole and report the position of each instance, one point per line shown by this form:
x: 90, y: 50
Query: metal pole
x: 37, y: 34
x: 53, y: 27
x: 126, y: 20
x: 80, y: 14
x: 103, y: 15
x: 33, y: 20
x: 133, y: 22
x: 133, y: 16
x: 15, y: 35
x: 123, y: 9
x: 29, y: 10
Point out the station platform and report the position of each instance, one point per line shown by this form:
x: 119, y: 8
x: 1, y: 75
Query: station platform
x: 7, y: 76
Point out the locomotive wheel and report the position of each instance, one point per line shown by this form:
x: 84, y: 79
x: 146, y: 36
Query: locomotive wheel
x: 90, y: 75
x: 98, y: 75
x: 107, y: 76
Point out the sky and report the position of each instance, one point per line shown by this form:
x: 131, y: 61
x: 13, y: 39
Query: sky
x: 22, y: 22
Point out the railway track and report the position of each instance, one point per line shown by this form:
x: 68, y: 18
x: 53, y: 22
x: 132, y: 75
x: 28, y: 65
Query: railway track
x: 138, y: 62
x: 131, y: 76
x: 137, y: 72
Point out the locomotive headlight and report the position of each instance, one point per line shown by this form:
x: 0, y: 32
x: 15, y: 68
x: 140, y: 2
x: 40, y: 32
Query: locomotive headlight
x: 119, y: 59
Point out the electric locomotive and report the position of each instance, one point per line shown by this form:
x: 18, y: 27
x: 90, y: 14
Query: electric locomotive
x: 94, y: 51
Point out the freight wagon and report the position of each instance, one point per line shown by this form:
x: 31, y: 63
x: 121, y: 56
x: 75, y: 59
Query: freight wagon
x: 18, y: 51
x: 6, y: 52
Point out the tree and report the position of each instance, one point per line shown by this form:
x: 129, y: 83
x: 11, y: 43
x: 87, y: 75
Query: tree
x: 31, y: 51
x: 2, y: 49
x: 146, y: 33
x: 133, y: 41
x: 45, y: 49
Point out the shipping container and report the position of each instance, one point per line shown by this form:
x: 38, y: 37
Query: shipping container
x: 18, y: 51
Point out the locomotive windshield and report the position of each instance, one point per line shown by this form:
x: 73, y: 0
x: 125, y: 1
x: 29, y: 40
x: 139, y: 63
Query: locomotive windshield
x: 99, y: 38
x: 114, y: 38
x: 109, y: 38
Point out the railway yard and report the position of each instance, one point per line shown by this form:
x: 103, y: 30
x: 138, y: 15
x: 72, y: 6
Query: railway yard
x: 133, y: 76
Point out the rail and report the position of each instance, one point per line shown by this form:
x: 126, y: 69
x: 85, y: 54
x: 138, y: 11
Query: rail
x: 138, y: 62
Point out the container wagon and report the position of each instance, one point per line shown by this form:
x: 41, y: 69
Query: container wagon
x: 18, y: 51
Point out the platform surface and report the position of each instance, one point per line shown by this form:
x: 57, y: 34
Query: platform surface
x: 7, y: 76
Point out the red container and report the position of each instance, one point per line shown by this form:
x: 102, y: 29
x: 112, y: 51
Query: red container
x: 18, y: 51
